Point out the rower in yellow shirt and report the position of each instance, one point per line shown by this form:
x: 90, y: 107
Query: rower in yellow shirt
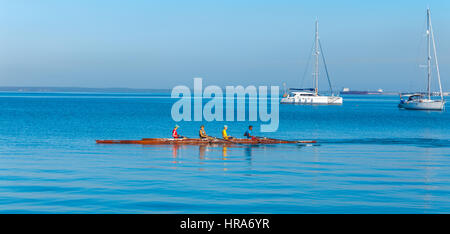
x: 224, y: 133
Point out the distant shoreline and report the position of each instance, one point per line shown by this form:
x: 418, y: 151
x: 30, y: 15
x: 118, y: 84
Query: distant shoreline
x: 79, y: 89
x: 30, y: 89
x: 43, y: 89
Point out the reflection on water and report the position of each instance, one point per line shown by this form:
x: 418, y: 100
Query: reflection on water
x: 203, y: 150
x: 224, y: 152
x: 248, y: 154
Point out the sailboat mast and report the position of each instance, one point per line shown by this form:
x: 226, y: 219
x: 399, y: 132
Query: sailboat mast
x: 316, y: 73
x: 429, y: 54
x: 436, y: 60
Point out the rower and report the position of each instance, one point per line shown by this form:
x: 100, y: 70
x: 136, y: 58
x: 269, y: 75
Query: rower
x: 224, y: 133
x: 248, y: 133
x: 202, y: 133
x: 175, y: 133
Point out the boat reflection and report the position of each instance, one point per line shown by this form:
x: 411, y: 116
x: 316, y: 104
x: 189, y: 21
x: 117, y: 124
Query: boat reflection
x: 201, y: 151
x: 212, y: 152
x: 224, y: 152
x: 204, y: 149
x: 175, y: 153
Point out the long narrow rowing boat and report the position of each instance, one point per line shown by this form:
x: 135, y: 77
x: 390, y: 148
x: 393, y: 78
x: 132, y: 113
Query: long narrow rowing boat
x: 196, y: 141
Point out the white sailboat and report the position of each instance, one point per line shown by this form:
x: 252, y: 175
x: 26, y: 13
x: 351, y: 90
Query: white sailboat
x: 310, y: 96
x: 426, y: 101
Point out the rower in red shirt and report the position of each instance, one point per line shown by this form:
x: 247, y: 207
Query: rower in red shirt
x: 175, y: 133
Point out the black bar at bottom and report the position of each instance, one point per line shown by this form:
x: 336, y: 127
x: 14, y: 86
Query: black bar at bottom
x: 155, y: 223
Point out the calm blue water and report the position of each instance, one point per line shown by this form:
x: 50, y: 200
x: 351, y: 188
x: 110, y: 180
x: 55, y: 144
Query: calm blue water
x: 371, y: 158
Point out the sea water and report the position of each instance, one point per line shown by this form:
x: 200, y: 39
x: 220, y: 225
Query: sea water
x: 370, y: 157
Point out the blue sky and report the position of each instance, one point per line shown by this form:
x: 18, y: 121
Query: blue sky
x: 160, y: 44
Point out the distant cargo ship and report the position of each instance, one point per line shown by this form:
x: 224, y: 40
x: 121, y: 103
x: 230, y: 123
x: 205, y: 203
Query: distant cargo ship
x: 348, y: 91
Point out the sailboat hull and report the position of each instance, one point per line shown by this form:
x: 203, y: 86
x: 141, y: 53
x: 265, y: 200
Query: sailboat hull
x: 422, y: 105
x: 312, y: 100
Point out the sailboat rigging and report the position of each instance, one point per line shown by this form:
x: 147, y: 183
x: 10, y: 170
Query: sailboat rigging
x: 426, y: 101
x: 311, y: 95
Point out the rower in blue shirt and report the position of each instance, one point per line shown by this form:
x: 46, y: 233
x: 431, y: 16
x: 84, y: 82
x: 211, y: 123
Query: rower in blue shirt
x: 248, y: 133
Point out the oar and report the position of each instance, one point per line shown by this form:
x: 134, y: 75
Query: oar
x: 283, y: 140
x: 220, y: 139
x: 273, y: 139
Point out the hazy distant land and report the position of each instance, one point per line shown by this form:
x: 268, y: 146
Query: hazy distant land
x: 81, y: 90
x: 129, y: 90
